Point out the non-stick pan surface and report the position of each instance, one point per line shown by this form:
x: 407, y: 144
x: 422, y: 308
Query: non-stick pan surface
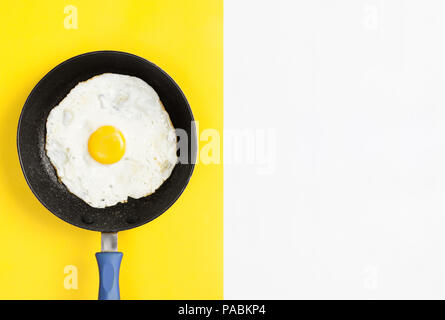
x: 41, y: 175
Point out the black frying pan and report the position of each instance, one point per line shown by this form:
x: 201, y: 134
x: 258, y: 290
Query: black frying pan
x: 41, y: 176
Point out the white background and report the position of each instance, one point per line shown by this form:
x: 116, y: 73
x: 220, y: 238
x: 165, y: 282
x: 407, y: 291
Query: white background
x: 349, y: 201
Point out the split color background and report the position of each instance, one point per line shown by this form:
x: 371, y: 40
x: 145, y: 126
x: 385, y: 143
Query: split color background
x: 352, y: 202
x: 178, y: 255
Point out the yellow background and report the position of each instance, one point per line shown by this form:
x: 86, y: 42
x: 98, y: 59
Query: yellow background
x: 178, y: 255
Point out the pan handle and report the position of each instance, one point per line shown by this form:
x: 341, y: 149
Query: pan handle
x: 109, y: 264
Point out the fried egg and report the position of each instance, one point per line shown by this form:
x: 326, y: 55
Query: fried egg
x: 110, y: 139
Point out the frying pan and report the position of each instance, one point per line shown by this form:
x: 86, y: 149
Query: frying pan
x: 41, y: 176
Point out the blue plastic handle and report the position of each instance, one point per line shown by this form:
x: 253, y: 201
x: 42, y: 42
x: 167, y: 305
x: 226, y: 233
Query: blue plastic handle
x: 109, y: 264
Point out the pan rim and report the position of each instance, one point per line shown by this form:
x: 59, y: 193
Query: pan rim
x: 193, y: 155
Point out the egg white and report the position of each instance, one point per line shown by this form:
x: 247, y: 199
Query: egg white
x: 133, y: 107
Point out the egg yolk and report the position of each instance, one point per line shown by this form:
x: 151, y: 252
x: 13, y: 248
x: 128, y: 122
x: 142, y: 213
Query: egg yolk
x: 106, y: 145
